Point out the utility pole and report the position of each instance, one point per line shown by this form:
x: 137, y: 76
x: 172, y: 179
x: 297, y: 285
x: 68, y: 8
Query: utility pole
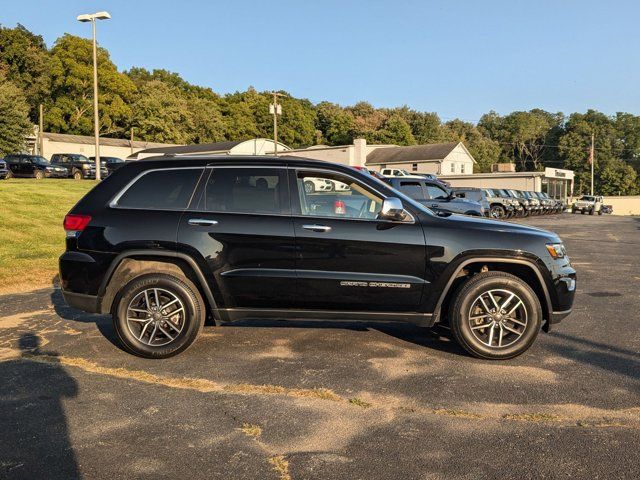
x: 40, y: 129
x: 275, y: 109
x: 592, y: 158
x: 131, y: 141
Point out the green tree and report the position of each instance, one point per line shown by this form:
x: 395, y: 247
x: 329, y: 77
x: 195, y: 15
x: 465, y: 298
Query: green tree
x: 71, y: 107
x: 615, y: 177
x: 425, y: 126
x: 24, y: 61
x: 395, y: 130
x: 336, y: 124
x: 14, y: 118
x: 161, y: 114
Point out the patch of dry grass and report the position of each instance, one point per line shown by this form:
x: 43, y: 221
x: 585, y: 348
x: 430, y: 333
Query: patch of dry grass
x: 532, y: 417
x: 281, y: 466
x: 360, y: 403
x: 251, y: 430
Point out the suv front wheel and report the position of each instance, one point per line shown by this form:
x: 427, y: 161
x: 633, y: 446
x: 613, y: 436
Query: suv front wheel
x: 495, y: 315
x: 158, y: 315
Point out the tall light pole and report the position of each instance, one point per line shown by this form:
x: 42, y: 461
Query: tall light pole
x: 275, y: 109
x: 92, y: 17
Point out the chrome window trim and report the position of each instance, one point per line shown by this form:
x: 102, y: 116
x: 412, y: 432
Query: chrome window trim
x: 114, y: 201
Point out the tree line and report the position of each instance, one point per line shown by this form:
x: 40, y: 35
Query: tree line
x: 160, y: 106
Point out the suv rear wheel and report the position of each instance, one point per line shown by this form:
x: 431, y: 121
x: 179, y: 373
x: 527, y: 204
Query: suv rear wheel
x: 158, y: 315
x: 77, y: 175
x: 495, y: 315
x: 38, y: 175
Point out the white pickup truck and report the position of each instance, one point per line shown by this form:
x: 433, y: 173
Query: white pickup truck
x: 590, y: 204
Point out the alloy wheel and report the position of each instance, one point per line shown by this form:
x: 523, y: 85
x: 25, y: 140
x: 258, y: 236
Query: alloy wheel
x: 156, y: 317
x: 498, y: 318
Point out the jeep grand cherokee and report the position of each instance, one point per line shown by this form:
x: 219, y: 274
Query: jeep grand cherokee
x: 163, y: 243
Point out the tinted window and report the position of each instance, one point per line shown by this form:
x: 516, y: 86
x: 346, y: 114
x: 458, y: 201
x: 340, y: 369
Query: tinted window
x: 246, y: 190
x: 162, y: 189
x: 412, y: 189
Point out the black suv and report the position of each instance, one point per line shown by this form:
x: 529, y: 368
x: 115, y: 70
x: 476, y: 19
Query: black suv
x: 77, y: 165
x: 110, y: 163
x: 163, y: 243
x: 34, y: 166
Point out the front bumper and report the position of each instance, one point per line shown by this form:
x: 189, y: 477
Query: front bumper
x: 3, y: 173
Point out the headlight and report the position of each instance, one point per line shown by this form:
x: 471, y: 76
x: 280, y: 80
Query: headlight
x: 556, y: 250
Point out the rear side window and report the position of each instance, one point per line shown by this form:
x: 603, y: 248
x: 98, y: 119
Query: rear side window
x: 247, y: 190
x: 162, y: 190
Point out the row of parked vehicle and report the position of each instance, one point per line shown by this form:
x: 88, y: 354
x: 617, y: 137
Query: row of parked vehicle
x: 62, y: 165
x: 439, y: 196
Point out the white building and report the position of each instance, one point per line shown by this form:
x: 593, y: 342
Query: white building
x: 437, y: 158
x: 85, y: 145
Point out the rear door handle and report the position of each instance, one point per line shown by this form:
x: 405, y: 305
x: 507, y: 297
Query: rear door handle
x: 202, y: 222
x: 317, y: 228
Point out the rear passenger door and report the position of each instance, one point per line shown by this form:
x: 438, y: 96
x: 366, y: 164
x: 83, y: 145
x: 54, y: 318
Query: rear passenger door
x: 240, y: 229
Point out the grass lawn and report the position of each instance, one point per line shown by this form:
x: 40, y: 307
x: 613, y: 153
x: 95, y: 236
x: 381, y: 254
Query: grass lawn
x: 31, y: 234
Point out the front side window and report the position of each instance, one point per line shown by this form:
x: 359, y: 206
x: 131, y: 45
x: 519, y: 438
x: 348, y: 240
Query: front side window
x: 412, y: 190
x: 169, y: 189
x: 246, y: 190
x: 436, y: 192
x: 327, y: 194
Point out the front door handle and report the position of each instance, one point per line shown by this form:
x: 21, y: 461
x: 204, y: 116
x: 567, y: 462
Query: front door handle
x: 317, y: 228
x: 202, y: 222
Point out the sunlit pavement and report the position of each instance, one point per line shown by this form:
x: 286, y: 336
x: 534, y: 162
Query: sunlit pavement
x: 333, y: 400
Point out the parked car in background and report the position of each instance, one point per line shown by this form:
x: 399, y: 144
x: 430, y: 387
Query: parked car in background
x: 395, y: 172
x: 166, y: 243
x: 518, y: 209
x: 32, y: 166
x: 111, y: 163
x: 527, y: 206
x: 475, y: 194
x: 3, y: 169
x: 435, y: 196
x: 534, y: 201
x: 313, y: 185
x: 77, y: 165
x: 588, y: 204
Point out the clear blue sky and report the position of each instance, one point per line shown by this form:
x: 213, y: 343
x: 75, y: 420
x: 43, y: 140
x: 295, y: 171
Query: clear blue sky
x: 459, y: 58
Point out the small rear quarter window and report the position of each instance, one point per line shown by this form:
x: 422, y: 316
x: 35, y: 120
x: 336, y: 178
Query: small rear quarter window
x: 169, y: 189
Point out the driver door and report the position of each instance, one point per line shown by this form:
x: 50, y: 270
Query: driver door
x: 347, y: 259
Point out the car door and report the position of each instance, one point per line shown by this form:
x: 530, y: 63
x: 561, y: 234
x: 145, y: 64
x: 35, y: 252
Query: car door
x: 240, y: 230
x: 347, y: 259
x: 437, y: 197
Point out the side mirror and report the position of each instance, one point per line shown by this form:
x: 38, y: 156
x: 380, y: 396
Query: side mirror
x: 392, y: 209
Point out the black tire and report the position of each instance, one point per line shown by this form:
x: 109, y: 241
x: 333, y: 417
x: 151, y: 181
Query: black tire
x: 192, y: 319
x: 600, y: 212
x: 309, y: 187
x: 582, y: 212
x: 591, y: 212
x: 9, y: 175
x: 498, y: 211
x: 38, y: 175
x: 77, y: 175
x: 466, y: 298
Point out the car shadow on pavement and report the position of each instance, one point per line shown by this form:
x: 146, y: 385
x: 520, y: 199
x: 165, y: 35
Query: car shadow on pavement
x: 435, y: 338
x: 607, y: 357
x: 35, y: 441
x: 102, y: 322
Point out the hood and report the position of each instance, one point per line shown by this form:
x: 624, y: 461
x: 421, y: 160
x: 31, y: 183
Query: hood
x: 464, y: 221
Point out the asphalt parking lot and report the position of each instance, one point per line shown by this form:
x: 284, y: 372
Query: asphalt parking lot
x: 335, y: 400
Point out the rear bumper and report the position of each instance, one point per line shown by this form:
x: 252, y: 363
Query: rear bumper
x: 80, y: 301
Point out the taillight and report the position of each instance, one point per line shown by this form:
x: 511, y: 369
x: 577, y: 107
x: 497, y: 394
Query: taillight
x: 339, y: 208
x: 74, y: 224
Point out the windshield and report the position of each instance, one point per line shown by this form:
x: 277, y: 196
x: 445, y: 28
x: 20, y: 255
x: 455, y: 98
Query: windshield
x: 588, y: 198
x: 80, y: 158
x: 40, y: 160
x: 516, y: 194
x: 489, y: 192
